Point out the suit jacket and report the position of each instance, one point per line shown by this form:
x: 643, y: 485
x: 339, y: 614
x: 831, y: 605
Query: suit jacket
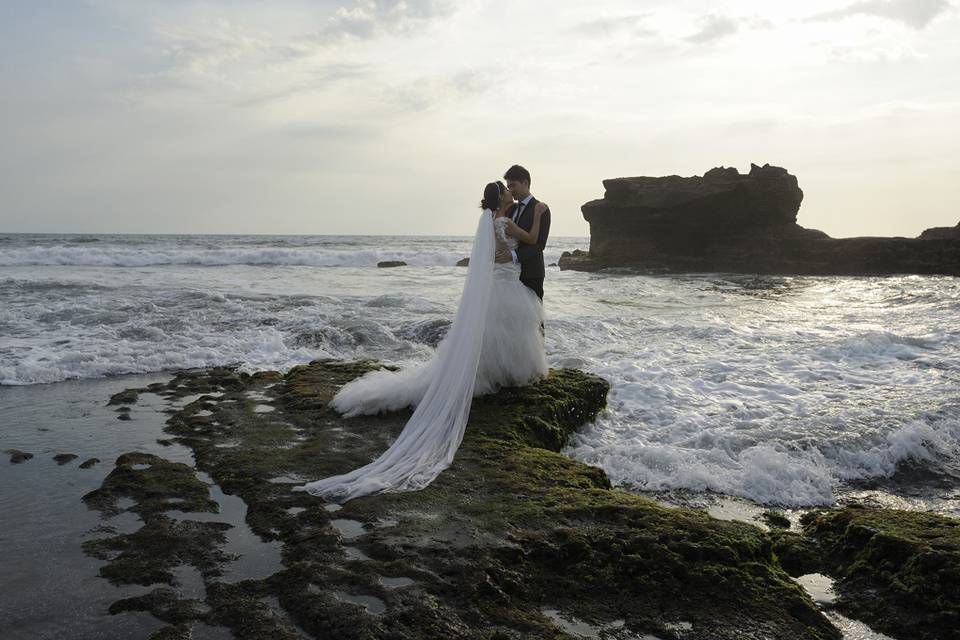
x: 531, y: 255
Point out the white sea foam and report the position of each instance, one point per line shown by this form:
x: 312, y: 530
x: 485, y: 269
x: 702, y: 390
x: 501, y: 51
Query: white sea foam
x: 138, y: 257
x: 780, y: 390
x: 768, y: 473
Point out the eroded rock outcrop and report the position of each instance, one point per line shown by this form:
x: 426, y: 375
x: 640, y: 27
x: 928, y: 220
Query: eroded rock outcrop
x: 745, y: 223
x: 508, y: 541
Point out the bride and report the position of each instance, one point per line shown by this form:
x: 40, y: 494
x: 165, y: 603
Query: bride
x: 495, y: 340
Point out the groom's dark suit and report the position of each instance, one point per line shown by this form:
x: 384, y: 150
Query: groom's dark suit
x: 530, y: 256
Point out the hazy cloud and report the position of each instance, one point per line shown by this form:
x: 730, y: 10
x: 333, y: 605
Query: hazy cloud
x: 714, y: 27
x: 913, y: 13
x: 429, y: 92
x: 366, y: 19
x: 632, y: 25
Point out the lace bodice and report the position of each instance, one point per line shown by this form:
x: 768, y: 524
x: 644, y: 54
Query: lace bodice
x: 503, y: 240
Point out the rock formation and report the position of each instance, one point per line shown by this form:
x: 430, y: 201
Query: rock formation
x: 514, y: 541
x: 728, y: 221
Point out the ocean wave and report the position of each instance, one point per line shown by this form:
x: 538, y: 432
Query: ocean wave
x: 149, y: 349
x: 126, y: 257
x: 772, y: 472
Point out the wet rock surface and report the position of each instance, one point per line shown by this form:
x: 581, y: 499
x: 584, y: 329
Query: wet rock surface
x: 899, y: 571
x: 17, y: 456
x: 741, y: 223
x: 63, y: 458
x: 513, y: 541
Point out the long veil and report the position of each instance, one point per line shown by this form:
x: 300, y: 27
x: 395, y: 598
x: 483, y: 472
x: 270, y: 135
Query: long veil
x: 431, y: 437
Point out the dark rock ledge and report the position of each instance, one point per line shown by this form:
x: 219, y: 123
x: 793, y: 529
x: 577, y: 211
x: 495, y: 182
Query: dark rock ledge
x: 739, y: 223
x: 511, y: 531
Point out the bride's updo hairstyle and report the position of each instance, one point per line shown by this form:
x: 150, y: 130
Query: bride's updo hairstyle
x: 491, y: 196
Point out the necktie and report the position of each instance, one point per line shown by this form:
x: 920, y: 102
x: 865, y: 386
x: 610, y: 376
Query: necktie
x: 516, y: 216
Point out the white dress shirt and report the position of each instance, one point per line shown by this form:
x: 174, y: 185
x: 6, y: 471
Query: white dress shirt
x: 521, y: 206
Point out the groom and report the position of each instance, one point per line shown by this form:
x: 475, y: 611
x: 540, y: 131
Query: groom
x: 530, y: 256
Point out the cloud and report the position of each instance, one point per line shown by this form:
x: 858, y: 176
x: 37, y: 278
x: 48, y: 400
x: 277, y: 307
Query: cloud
x: 632, y: 25
x: 714, y: 27
x: 366, y: 19
x: 428, y: 92
x: 913, y: 13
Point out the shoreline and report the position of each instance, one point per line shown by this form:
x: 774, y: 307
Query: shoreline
x: 381, y: 558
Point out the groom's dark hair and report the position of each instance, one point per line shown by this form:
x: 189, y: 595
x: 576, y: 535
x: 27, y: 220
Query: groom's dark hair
x: 518, y: 173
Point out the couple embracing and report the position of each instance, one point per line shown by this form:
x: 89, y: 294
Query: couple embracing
x: 496, y: 340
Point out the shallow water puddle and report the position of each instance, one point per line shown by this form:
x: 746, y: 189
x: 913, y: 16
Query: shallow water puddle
x: 854, y: 629
x: 578, y: 628
x: 179, y: 403
x: 355, y: 554
x: 374, y: 606
x: 255, y: 558
x: 189, y: 582
x: 397, y: 583
x: 819, y: 587
x: 349, y: 529
x: 203, y: 631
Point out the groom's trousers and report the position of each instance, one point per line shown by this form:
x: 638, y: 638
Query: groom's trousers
x: 536, y: 284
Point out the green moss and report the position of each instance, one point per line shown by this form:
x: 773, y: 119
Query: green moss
x: 797, y: 554
x: 180, y: 631
x: 149, y: 554
x: 241, y: 608
x: 899, y: 571
x: 155, y: 484
x: 164, y: 603
x: 776, y: 519
x: 512, y: 527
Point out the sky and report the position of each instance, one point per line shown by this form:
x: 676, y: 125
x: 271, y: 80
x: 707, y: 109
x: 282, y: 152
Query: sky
x: 390, y: 116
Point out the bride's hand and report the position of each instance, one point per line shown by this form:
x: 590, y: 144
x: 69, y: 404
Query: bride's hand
x: 540, y: 208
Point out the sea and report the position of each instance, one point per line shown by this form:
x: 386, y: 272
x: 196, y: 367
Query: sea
x: 782, y: 392
x: 778, y: 389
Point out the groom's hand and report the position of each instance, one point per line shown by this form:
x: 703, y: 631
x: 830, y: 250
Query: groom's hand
x: 503, y: 256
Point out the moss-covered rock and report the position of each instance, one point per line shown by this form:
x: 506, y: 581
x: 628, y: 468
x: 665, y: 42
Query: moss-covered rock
x: 511, y: 531
x: 897, y: 570
x: 155, y: 484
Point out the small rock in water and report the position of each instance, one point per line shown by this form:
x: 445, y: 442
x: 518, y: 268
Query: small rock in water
x: 463, y: 263
x: 87, y: 464
x: 124, y: 416
x: 391, y: 263
x: 17, y: 456
x: 64, y: 458
x: 128, y: 396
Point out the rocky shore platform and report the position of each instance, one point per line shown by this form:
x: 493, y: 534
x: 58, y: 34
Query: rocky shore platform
x: 725, y: 221
x: 513, y: 541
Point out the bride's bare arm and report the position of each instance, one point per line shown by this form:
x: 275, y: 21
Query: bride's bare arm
x: 528, y: 237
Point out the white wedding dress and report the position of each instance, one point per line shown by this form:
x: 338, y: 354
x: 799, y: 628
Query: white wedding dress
x: 495, y: 340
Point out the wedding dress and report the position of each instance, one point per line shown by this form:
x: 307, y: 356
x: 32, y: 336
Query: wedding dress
x: 495, y: 340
